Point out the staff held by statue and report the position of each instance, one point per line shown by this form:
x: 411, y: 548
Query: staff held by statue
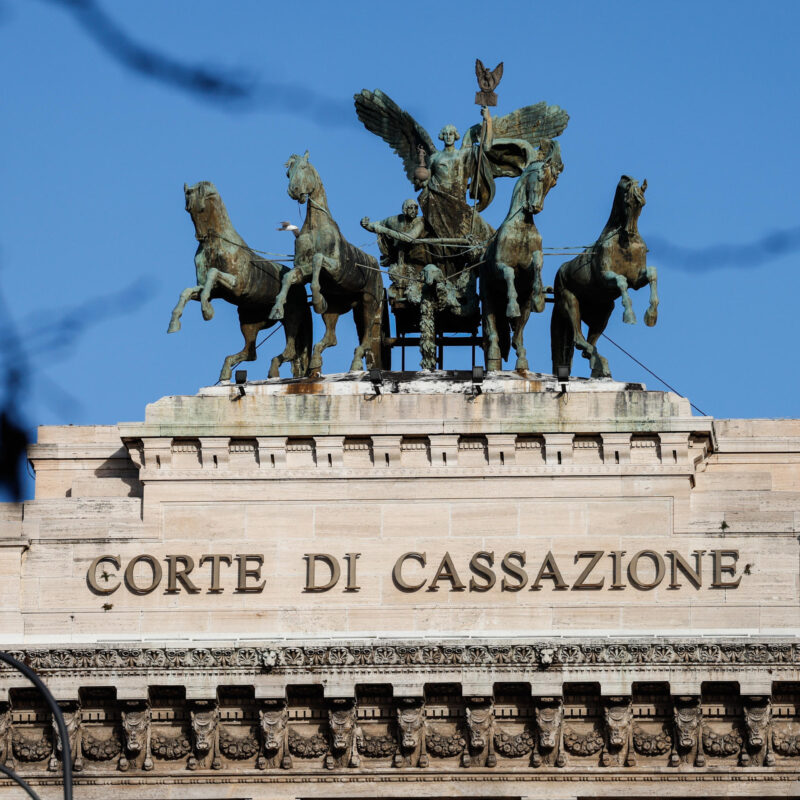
x: 485, y: 97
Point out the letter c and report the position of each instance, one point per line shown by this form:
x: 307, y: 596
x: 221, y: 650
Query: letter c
x: 91, y: 575
x: 397, y: 572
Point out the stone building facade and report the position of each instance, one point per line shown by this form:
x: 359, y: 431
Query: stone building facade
x: 429, y: 588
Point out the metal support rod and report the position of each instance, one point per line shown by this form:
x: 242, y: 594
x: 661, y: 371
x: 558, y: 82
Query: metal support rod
x: 66, y: 755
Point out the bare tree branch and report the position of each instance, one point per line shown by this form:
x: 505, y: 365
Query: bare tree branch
x: 234, y: 90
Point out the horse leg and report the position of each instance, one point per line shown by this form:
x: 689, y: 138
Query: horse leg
x: 247, y: 353
x: 214, y: 277
x: 596, y: 321
x: 620, y: 282
x: 292, y: 277
x: 328, y: 340
x: 537, y: 298
x: 318, y: 262
x: 571, y: 308
x: 651, y: 315
x: 289, y: 354
x: 491, y: 340
x: 512, y: 309
x: 518, y: 326
x: 192, y: 293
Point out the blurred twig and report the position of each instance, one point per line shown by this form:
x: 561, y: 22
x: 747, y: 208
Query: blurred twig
x: 233, y: 89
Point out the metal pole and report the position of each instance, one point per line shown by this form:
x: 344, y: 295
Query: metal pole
x: 66, y: 755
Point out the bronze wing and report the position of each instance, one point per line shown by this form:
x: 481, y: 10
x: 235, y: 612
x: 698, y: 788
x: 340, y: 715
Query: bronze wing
x: 382, y: 116
x: 517, y: 136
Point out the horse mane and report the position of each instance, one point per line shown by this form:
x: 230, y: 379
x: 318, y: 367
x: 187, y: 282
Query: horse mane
x: 618, y: 216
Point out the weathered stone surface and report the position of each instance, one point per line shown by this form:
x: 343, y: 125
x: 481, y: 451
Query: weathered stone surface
x: 590, y: 667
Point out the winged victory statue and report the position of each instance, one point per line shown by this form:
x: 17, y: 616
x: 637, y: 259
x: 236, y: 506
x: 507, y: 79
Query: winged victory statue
x: 495, y: 148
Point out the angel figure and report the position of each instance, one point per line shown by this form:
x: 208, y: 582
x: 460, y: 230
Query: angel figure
x: 510, y: 144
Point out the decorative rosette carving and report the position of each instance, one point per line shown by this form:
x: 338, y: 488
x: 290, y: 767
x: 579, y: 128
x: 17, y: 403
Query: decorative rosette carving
x: 169, y: 748
x: 786, y: 742
x: 651, y: 744
x: 442, y: 746
x: 97, y: 749
x: 376, y: 746
x: 26, y: 749
x: 513, y: 746
x: 583, y: 744
x: 307, y: 746
x: 238, y: 748
x: 719, y: 745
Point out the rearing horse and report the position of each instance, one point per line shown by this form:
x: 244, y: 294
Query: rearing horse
x: 343, y: 278
x: 227, y: 268
x: 587, y: 286
x: 511, y: 274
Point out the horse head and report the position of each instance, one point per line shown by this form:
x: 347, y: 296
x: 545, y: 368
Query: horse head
x: 303, y: 178
x: 205, y: 208
x: 538, y: 178
x: 628, y: 204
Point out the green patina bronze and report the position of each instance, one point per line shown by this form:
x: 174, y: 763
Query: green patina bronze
x: 587, y: 286
x: 449, y: 271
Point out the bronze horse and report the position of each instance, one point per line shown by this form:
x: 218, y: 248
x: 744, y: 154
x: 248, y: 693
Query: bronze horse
x: 511, y: 273
x: 587, y: 286
x: 343, y: 278
x: 227, y: 268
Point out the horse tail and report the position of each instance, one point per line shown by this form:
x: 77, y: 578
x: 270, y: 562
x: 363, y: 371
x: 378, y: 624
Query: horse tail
x: 562, y: 339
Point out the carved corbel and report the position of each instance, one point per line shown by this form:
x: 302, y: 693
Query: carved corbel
x: 618, y: 719
x: 688, y: 726
x: 274, y: 726
x: 205, y: 732
x: 757, y: 747
x: 344, y: 733
x: 412, y: 732
x: 480, y: 733
x: 136, y: 730
x: 6, y: 750
x: 549, y: 716
x: 71, y: 712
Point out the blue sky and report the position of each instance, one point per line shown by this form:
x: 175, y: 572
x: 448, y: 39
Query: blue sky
x: 699, y: 98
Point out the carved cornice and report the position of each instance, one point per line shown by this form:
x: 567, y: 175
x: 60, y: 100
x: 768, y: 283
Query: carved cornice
x: 309, y: 657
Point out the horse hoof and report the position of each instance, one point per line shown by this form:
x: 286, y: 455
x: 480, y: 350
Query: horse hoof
x: 512, y: 312
x: 650, y: 318
x: 208, y: 313
x: 521, y: 365
x: 174, y: 326
x: 276, y: 313
x: 538, y: 303
x: 629, y: 318
x: 320, y: 307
